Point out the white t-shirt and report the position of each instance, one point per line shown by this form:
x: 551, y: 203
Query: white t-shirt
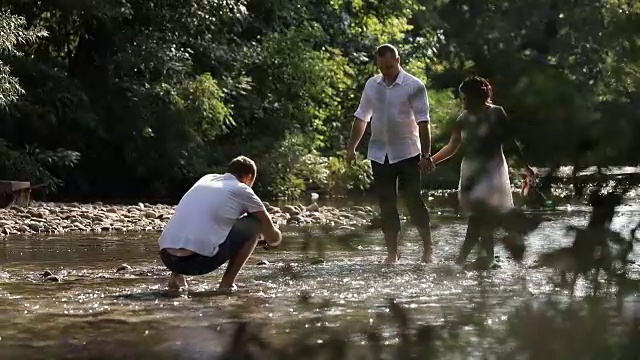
x: 207, y: 212
x: 394, y: 112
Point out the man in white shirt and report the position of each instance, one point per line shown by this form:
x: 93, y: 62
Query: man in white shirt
x: 396, y: 105
x: 218, y: 220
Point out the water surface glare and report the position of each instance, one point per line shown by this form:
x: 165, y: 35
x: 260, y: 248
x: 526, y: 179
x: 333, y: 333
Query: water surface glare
x: 96, y: 305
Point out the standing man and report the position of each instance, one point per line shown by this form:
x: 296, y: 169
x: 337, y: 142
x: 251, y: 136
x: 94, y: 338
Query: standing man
x: 397, y: 106
x: 218, y: 220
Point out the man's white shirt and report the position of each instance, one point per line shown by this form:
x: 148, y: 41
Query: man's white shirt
x: 207, y: 212
x: 394, y: 112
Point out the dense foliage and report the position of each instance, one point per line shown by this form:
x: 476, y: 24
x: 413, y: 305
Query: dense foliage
x: 130, y: 98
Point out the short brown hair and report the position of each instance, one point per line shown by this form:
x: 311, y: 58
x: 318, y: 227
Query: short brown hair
x: 242, y: 166
x: 386, y: 49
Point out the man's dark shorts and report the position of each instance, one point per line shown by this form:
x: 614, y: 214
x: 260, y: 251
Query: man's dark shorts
x: 246, y: 229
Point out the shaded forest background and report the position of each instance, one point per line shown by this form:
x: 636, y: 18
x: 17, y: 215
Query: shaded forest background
x: 129, y: 99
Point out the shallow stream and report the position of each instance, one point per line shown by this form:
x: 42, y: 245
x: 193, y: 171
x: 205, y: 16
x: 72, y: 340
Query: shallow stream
x: 96, y: 308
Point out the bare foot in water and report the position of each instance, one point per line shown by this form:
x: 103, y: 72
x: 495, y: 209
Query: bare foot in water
x: 391, y: 259
x: 177, y: 282
x: 426, y: 258
x: 481, y: 263
x: 226, y: 290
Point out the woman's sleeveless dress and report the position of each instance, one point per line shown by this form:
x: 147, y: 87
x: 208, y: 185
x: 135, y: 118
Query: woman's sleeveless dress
x: 484, y: 175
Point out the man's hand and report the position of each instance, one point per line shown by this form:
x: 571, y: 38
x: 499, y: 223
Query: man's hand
x: 269, y: 247
x: 351, y: 154
x: 271, y: 233
x: 357, y: 130
x: 426, y: 164
x: 275, y: 237
x: 266, y: 245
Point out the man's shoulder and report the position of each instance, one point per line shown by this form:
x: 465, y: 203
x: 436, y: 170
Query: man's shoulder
x: 244, y: 189
x: 209, y: 177
x: 373, y: 80
x: 245, y: 195
x: 413, y: 80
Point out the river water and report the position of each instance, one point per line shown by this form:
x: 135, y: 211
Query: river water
x: 96, y: 310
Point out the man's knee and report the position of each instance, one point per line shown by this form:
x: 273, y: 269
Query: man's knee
x: 386, y: 193
x: 418, y: 211
x: 248, y: 226
x: 389, y: 219
x: 250, y: 218
x: 421, y: 219
x: 391, y: 226
x: 385, y: 180
x: 412, y: 199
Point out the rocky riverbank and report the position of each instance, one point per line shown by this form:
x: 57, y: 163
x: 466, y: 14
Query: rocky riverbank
x: 54, y: 218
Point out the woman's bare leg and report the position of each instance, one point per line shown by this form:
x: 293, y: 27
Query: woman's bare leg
x: 471, y: 239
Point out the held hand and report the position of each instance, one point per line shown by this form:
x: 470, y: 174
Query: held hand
x: 426, y: 164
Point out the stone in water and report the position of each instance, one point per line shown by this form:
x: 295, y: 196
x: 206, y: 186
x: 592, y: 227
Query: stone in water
x: 123, y: 267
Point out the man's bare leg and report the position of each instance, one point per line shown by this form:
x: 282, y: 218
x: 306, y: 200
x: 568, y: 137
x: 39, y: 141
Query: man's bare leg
x: 177, y: 282
x: 235, y: 265
x: 391, y: 240
x: 427, y: 252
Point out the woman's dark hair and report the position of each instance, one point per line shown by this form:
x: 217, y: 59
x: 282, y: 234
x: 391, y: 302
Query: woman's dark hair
x: 476, y: 89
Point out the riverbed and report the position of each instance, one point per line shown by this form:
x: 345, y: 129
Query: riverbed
x: 111, y: 298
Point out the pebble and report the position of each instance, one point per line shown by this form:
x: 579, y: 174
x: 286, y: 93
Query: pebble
x: 316, y: 261
x: 61, y: 218
x: 52, y: 278
x: 123, y: 267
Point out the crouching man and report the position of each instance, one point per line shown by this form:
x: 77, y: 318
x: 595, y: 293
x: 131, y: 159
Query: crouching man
x: 218, y: 220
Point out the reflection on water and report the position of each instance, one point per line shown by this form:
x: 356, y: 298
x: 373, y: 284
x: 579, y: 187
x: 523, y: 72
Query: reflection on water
x: 96, y: 307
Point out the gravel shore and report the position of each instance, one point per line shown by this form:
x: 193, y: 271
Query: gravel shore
x: 58, y: 218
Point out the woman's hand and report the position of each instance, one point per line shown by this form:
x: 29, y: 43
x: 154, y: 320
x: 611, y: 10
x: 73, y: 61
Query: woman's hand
x: 529, y: 180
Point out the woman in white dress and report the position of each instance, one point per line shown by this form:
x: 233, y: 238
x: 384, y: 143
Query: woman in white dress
x: 480, y: 132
